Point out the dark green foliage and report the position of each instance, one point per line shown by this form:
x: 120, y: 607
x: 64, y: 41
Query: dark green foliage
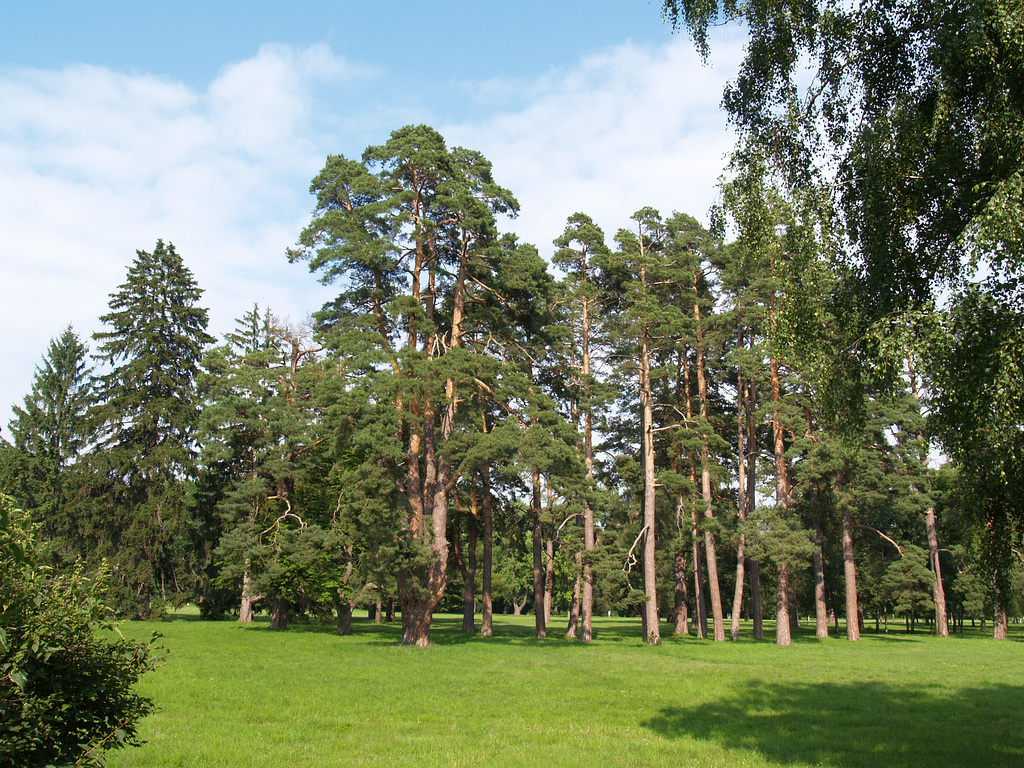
x: 907, y: 585
x: 51, y: 432
x: 66, y: 691
x: 148, y: 413
x: 978, y: 369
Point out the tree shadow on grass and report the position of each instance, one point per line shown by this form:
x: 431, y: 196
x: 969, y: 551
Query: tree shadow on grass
x: 859, y: 724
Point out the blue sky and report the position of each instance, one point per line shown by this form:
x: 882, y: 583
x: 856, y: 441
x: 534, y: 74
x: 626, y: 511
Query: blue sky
x: 202, y: 123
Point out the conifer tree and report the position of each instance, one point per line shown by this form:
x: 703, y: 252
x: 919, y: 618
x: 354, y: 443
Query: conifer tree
x: 156, y: 333
x: 581, y: 248
x: 409, y: 233
x: 52, y: 430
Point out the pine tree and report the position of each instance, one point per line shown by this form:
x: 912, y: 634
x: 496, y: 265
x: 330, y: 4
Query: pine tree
x: 579, y: 246
x: 410, y: 234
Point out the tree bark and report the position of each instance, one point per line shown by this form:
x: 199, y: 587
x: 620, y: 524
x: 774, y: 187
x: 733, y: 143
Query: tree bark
x: 820, y: 609
x: 540, y: 625
x: 245, y: 611
x: 469, y: 575
x: 652, y: 633
x: 741, y: 499
x: 756, y: 606
x: 278, y: 612
x: 417, y: 616
x: 849, y: 574
x: 938, y: 593
x: 572, y: 629
x: 487, y: 617
x: 549, y: 577
x: 783, y: 636
x: 344, y: 610
x: 682, y: 620
x: 701, y: 619
x: 589, y: 538
x: 705, y: 472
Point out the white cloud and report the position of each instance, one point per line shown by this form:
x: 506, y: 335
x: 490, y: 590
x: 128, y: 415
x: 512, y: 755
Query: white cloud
x: 630, y: 127
x: 95, y: 163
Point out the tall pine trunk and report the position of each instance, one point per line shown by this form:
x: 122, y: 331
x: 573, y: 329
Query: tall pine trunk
x: 486, y: 598
x: 753, y: 566
x: 849, y: 573
x: 700, y: 607
x: 540, y: 625
x: 681, y: 618
x: 820, y: 609
x: 705, y: 472
x: 783, y: 636
x: 938, y: 593
x: 572, y: 629
x: 652, y: 634
x: 245, y: 611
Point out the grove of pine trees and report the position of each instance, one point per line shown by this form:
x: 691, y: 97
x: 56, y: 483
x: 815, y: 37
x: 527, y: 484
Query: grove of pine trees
x: 809, y: 409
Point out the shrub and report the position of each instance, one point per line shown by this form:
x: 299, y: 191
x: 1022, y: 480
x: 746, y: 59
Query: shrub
x: 66, y: 691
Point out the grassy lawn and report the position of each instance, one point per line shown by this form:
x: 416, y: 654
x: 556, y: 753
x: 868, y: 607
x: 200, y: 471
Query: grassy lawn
x: 233, y: 695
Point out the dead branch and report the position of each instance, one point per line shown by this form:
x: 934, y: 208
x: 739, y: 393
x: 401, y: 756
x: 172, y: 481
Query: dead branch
x: 631, y: 559
x: 869, y: 528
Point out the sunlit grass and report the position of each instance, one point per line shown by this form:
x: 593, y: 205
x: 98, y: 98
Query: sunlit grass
x: 233, y: 695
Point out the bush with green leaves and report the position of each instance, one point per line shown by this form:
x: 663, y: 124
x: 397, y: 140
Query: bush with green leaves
x: 67, y: 692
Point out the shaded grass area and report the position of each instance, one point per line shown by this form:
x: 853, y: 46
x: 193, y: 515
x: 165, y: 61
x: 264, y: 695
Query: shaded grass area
x: 232, y: 695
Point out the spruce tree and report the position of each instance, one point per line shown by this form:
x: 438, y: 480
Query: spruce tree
x: 51, y: 431
x: 148, y: 411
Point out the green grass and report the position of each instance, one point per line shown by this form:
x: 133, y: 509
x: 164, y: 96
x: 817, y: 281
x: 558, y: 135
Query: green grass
x: 232, y: 695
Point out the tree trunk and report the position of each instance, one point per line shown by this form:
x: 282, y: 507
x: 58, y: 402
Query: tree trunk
x: 549, y: 561
x: 549, y: 577
x: 574, y: 608
x: 344, y: 610
x: 487, y: 618
x: 698, y: 587
x: 741, y: 501
x: 416, y: 618
x: 652, y: 633
x: 783, y: 634
x: 589, y: 538
x: 782, y: 628
x: 700, y: 607
x: 469, y: 577
x: 938, y: 593
x: 850, y: 574
x: 756, y: 606
x: 705, y: 472
x: 820, y: 609
x: 245, y: 611
x: 278, y: 612
x: 517, y: 607
x: 538, y: 560
x: 682, y: 620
